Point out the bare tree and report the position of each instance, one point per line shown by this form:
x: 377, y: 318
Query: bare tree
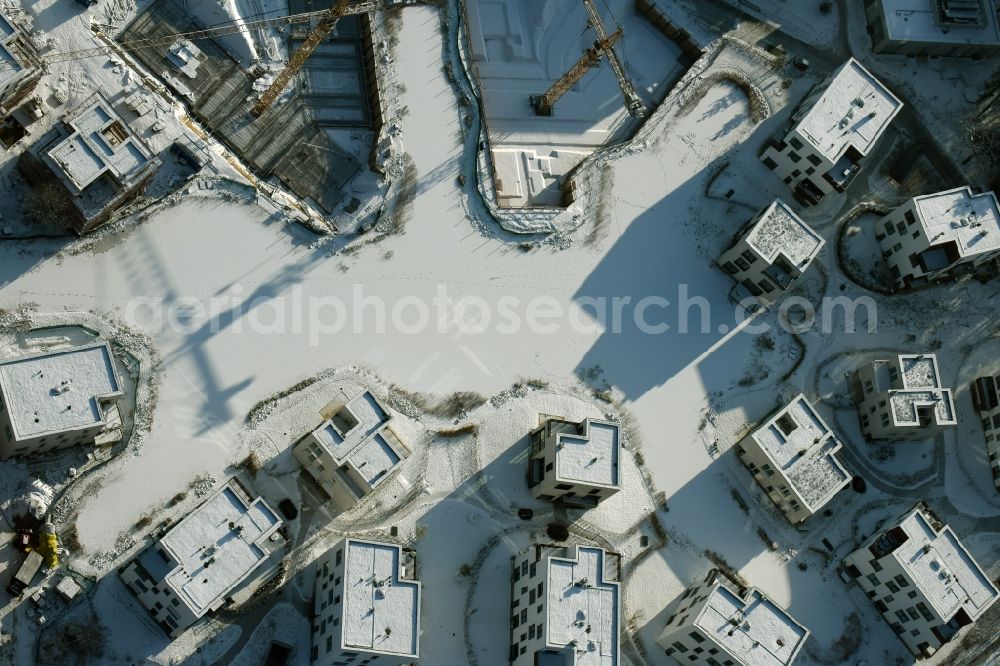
x: 49, y: 205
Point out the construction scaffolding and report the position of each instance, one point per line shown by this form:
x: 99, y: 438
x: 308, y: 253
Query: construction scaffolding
x: 287, y: 142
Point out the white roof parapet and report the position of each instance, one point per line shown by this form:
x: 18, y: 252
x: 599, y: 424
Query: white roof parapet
x: 590, y: 457
x: 99, y: 142
x: 972, y: 221
x: 915, y: 21
x: 381, y: 610
x: 852, y: 111
x: 216, y: 546
x: 803, y: 447
x: 583, y: 608
x: 59, y: 391
x: 778, y: 230
x: 752, y: 628
x: 941, y: 567
x: 355, y: 435
x: 921, y: 388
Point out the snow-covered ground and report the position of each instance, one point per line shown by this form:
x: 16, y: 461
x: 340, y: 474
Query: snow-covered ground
x: 519, y: 48
x: 254, y: 303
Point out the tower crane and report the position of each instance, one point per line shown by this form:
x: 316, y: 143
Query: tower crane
x: 603, y: 45
x: 543, y: 103
x: 323, y: 28
x: 195, y: 35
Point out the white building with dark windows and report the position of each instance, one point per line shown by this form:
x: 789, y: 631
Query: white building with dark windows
x: 831, y: 133
x: 901, y: 398
x: 955, y: 28
x: 58, y: 399
x: 770, y: 252
x: 793, y: 456
x: 941, y: 235
x: 575, y: 463
x: 353, y: 451
x: 986, y: 399
x: 565, y: 607
x: 717, y: 622
x: 922, y: 580
x: 197, y: 566
x: 367, y: 606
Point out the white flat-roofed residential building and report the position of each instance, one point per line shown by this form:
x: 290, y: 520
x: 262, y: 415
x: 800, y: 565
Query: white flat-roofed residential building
x: 565, y: 607
x: 367, y: 606
x: 199, y: 563
x: 717, y: 622
x: 960, y: 28
x: 831, y: 133
x: 986, y: 399
x: 902, y: 398
x: 93, y: 160
x: 922, y: 580
x: 58, y: 399
x: 353, y: 451
x: 793, y: 456
x: 937, y: 236
x: 770, y: 252
x: 574, y: 463
x: 20, y: 66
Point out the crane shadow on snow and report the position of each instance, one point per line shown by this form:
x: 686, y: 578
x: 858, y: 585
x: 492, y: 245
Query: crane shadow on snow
x: 686, y: 299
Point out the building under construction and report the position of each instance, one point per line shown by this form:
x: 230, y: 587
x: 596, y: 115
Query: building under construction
x: 21, y: 67
x: 90, y: 165
x: 290, y: 141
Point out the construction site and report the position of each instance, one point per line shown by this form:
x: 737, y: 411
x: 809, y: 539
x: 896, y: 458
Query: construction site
x: 323, y: 131
x: 462, y: 333
x: 561, y: 79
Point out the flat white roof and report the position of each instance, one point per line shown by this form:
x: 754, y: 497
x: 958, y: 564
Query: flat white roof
x: 779, y: 230
x: 374, y: 459
x: 59, y: 391
x: 100, y: 142
x: 582, y: 608
x: 972, y: 221
x: 216, y: 546
x: 381, y: 611
x: 341, y: 439
x: 362, y: 443
x: 921, y: 388
x: 943, y: 570
x: 803, y: 449
x: 852, y: 111
x: 591, y: 457
x: 754, y: 630
x: 919, y: 371
x: 914, y: 21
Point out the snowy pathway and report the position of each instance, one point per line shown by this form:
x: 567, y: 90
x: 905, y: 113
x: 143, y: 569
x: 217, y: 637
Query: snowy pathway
x: 229, y: 252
